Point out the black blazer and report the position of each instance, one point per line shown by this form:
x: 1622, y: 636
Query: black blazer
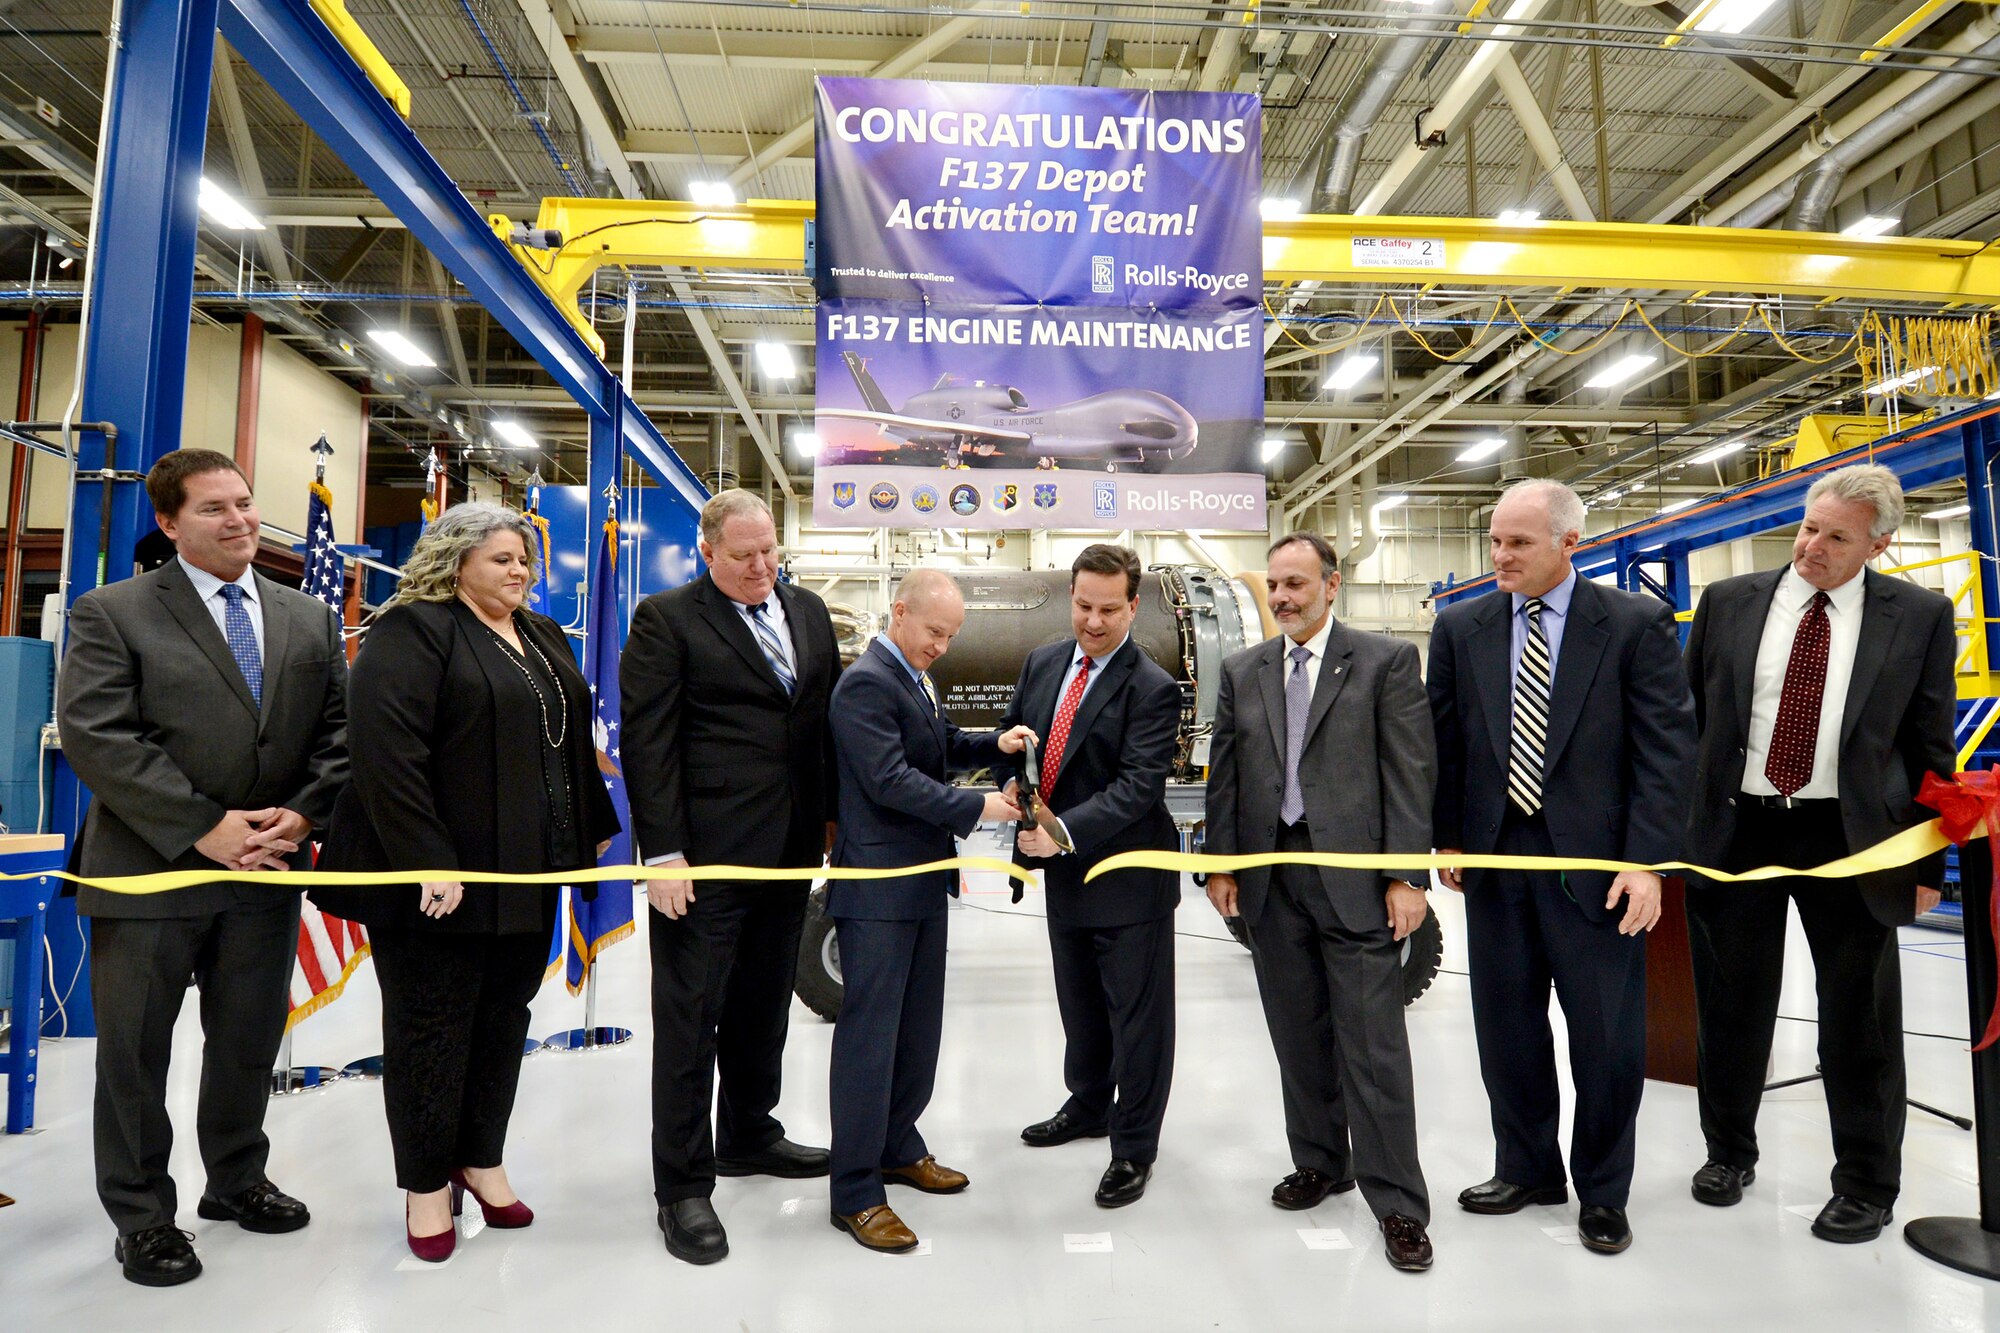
x: 1111, y: 787
x: 719, y: 762
x: 1895, y: 726
x: 440, y: 784
x: 897, y: 806
x: 1620, y: 751
x: 159, y: 723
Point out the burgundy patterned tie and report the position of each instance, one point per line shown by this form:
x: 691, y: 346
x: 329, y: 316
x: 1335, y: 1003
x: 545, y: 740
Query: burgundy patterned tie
x: 1795, y: 735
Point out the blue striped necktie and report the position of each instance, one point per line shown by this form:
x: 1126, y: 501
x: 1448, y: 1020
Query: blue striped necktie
x: 774, y: 652
x: 242, y: 636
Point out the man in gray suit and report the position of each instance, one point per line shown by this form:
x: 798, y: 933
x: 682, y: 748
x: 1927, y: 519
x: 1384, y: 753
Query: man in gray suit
x: 1323, y: 743
x: 205, y: 708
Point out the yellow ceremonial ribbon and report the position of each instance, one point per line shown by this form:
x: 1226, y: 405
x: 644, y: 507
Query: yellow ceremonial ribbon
x: 1912, y: 844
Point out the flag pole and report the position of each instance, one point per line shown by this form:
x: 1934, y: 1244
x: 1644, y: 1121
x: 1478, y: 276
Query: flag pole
x: 287, y: 1078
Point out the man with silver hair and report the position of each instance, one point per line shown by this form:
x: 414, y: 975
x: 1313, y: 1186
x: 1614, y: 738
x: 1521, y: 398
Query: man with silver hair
x: 1564, y: 728
x: 728, y: 761
x: 1824, y: 693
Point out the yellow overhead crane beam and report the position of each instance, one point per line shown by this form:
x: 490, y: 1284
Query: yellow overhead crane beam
x: 769, y: 234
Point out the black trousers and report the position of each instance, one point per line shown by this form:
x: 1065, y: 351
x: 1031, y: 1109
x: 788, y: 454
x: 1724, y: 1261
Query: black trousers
x: 1737, y: 934
x: 885, y: 1051
x: 454, y: 1020
x: 242, y: 960
x: 722, y: 998
x: 1115, y: 992
x: 1524, y: 933
x: 1333, y: 1000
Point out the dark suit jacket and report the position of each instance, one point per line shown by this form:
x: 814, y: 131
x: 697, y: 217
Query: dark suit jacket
x: 1620, y: 749
x: 1368, y: 771
x: 897, y: 806
x: 1111, y: 787
x: 719, y: 762
x: 1896, y: 724
x: 441, y: 783
x: 159, y: 723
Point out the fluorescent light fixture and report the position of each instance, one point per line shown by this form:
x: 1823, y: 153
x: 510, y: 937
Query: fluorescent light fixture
x: 1722, y: 451
x: 1902, y: 381
x: 1390, y: 502
x: 1679, y: 504
x: 805, y: 444
x: 1274, y: 445
x: 224, y: 211
x: 775, y: 360
x: 1610, y: 496
x: 514, y: 434
x: 1955, y: 511
x: 712, y: 194
x: 1353, y: 369
x: 1273, y: 207
x: 396, y: 345
x: 1624, y: 368
x: 1518, y: 217
x: 1731, y: 15
x: 1486, y: 448
x: 1871, y: 226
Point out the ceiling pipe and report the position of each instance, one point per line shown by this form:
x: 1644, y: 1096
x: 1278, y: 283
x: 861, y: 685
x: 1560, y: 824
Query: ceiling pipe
x: 1339, y: 156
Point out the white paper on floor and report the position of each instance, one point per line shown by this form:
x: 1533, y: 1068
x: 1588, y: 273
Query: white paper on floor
x: 1563, y: 1235
x: 923, y: 1247
x: 1087, y: 1242
x: 1325, y: 1238
x: 1809, y: 1211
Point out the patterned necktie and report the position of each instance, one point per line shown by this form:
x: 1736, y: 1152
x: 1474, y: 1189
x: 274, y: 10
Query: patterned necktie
x: 774, y: 652
x: 1531, y: 716
x: 1298, y: 705
x: 930, y: 691
x: 242, y: 638
x: 1795, y: 735
x: 1052, y: 753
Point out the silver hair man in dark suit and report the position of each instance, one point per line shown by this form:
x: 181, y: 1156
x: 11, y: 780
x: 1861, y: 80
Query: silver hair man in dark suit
x: 1323, y: 743
x: 205, y: 708
x: 1824, y: 693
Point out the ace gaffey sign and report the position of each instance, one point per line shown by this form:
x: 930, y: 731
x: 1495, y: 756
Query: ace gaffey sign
x: 1038, y: 307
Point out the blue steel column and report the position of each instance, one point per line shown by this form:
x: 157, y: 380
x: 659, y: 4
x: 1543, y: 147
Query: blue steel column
x: 1982, y: 445
x: 142, y: 269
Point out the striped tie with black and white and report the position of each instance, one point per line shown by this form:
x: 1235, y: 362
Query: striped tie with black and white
x: 1531, y: 716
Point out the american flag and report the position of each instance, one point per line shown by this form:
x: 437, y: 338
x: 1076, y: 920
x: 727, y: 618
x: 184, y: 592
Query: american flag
x: 329, y: 947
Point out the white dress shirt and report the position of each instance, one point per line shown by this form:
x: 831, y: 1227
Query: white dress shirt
x: 1316, y: 646
x: 209, y: 589
x: 1774, y: 655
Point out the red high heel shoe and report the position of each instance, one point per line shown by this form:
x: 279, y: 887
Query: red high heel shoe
x: 506, y: 1216
x: 431, y: 1249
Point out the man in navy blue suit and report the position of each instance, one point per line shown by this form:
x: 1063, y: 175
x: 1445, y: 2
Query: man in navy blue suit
x: 894, y: 749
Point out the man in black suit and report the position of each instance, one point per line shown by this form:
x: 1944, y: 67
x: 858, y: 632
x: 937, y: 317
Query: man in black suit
x: 1111, y: 716
x: 1323, y: 743
x: 1564, y: 728
x: 1824, y: 693
x: 728, y: 761
x: 895, y: 749
x: 206, y: 709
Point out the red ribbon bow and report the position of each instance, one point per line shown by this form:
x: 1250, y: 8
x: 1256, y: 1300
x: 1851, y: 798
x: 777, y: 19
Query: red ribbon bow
x: 1961, y: 802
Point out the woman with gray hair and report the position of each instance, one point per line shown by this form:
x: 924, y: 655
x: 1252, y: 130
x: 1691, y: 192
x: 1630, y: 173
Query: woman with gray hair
x: 471, y: 731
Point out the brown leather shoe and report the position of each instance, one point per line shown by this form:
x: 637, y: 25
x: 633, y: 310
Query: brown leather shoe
x: 1404, y: 1241
x: 877, y: 1229
x: 927, y: 1175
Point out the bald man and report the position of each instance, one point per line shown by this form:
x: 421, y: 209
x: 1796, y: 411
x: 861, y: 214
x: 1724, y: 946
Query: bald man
x: 894, y: 749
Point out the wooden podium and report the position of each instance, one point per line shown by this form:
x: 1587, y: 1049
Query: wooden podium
x: 1670, y: 1026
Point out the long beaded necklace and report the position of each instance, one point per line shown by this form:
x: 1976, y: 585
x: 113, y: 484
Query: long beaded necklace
x: 562, y: 699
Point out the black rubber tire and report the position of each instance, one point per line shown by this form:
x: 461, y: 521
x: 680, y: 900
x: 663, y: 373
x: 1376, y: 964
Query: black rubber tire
x: 818, y: 983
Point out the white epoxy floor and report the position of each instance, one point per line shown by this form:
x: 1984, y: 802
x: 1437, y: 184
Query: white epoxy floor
x: 1024, y: 1248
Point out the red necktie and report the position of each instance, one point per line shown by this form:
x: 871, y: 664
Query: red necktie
x: 1052, y: 753
x: 1795, y: 735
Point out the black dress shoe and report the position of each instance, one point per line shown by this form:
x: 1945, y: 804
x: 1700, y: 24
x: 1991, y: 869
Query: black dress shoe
x: 1406, y: 1244
x: 157, y: 1257
x: 1306, y: 1188
x: 1847, y: 1220
x: 783, y: 1158
x: 694, y: 1233
x: 1496, y: 1196
x: 262, y: 1208
x: 1124, y: 1182
x: 1059, y: 1128
x: 1721, y: 1184
x: 1604, y: 1230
